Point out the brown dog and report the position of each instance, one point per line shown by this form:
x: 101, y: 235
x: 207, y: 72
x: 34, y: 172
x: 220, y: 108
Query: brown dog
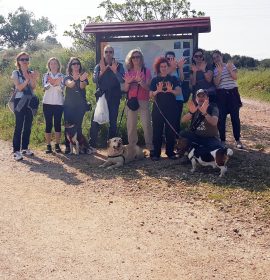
x: 119, y: 154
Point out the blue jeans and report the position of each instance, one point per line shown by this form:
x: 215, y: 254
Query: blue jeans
x: 209, y: 143
x: 113, y: 106
x: 23, y: 125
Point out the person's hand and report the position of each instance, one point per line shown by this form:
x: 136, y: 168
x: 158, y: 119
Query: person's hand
x: 181, y: 62
x: 203, y: 108
x: 169, y: 87
x: 229, y: 66
x: 173, y: 64
x: 51, y: 81
x: 219, y: 68
x: 32, y: 76
x: 114, y: 66
x: 159, y: 87
x: 194, y: 68
x: 191, y: 106
x: 102, y: 66
x: 203, y: 66
x: 138, y: 77
x: 83, y: 76
x: 128, y: 78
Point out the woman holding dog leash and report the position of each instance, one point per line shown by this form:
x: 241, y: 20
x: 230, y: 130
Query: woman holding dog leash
x: 75, y: 104
x: 24, y: 108
x: 163, y: 90
x: 137, y: 82
x: 53, y: 101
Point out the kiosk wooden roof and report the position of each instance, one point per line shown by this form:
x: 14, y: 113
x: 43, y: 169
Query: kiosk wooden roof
x: 148, y: 30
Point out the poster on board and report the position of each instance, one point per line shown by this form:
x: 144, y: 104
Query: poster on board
x: 152, y: 49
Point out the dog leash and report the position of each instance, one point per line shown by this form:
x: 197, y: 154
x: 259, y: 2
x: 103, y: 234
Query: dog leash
x: 167, y: 121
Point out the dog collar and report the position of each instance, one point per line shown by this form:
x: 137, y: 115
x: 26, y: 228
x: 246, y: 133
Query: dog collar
x: 117, y: 156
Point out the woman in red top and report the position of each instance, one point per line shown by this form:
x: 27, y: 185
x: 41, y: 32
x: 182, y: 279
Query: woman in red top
x: 137, y: 82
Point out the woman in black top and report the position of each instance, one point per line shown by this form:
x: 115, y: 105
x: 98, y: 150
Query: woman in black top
x: 75, y: 104
x: 201, y: 75
x: 163, y: 90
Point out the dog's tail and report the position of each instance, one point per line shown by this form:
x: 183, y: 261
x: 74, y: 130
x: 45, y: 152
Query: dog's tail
x: 229, y: 152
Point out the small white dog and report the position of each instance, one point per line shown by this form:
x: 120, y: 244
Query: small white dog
x: 119, y: 154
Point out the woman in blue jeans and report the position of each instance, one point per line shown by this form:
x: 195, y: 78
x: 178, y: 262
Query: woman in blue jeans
x: 24, y: 82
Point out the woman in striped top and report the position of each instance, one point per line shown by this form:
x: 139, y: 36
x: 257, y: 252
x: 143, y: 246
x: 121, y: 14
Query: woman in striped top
x: 228, y: 98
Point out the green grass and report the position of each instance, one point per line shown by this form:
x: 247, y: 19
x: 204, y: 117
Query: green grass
x: 255, y: 84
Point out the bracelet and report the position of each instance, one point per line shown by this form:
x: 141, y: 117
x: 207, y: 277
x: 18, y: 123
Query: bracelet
x: 205, y: 114
x: 191, y: 113
x: 82, y: 81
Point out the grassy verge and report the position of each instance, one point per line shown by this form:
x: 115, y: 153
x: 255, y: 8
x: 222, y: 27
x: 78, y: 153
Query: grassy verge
x: 255, y: 84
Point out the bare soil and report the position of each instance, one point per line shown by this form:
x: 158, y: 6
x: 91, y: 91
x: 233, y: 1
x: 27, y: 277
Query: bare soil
x: 62, y: 217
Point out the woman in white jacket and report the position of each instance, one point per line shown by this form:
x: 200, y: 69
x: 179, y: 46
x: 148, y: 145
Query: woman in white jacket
x: 53, y: 101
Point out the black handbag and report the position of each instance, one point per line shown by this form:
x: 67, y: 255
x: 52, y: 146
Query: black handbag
x: 133, y: 104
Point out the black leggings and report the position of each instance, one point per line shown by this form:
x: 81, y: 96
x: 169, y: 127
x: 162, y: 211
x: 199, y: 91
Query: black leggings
x: 52, y: 112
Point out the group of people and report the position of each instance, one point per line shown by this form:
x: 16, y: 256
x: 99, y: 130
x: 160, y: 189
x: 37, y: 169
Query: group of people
x: 215, y: 94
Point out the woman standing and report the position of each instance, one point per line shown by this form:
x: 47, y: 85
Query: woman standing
x: 25, y: 82
x: 163, y: 90
x: 75, y: 104
x: 176, y: 69
x: 53, y: 101
x: 201, y: 76
x: 137, y: 82
x: 228, y: 98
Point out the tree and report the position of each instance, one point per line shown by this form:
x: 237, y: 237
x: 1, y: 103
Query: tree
x: 131, y: 10
x: 21, y: 26
x: 139, y: 10
x: 82, y: 40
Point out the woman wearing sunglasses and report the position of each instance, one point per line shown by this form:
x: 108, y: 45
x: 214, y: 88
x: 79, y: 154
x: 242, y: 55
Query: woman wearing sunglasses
x: 201, y: 75
x: 137, y: 82
x: 24, y: 82
x: 75, y: 104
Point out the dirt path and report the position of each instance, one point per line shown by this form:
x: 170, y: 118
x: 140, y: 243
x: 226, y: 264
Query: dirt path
x: 63, y: 218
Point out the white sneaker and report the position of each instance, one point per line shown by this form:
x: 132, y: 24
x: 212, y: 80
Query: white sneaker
x: 239, y: 145
x: 91, y: 150
x: 27, y: 152
x: 17, y: 156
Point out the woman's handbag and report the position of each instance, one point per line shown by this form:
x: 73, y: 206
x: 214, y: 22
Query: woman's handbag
x: 11, y: 100
x: 133, y: 104
x: 101, y: 114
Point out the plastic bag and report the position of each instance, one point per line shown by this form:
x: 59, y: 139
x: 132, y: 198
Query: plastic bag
x: 101, y: 114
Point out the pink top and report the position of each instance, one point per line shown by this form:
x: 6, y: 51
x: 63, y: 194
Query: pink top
x: 143, y: 94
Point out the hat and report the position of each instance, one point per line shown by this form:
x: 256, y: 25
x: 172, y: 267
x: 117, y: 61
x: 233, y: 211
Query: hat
x: 202, y: 91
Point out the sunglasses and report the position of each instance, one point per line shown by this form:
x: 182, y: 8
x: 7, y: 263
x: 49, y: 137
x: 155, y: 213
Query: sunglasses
x: 136, y: 57
x: 170, y: 58
x: 24, y: 59
x: 75, y: 63
x: 108, y: 51
x: 198, y: 56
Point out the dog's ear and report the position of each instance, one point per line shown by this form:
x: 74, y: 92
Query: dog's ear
x: 109, y: 142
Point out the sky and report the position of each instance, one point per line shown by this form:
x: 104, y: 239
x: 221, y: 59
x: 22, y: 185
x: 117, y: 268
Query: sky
x: 237, y: 26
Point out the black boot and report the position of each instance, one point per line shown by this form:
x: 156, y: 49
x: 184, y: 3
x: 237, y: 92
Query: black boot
x: 57, y: 148
x: 49, y: 149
